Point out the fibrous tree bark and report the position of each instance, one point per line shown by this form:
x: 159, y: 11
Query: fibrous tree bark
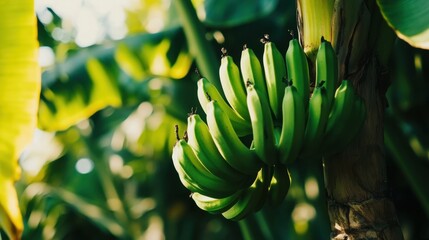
x: 357, y: 191
x: 359, y: 202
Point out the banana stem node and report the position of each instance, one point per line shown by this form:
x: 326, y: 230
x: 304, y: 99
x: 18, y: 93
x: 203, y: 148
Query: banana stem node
x: 224, y: 52
x: 265, y: 39
x: 176, y: 130
x: 193, y: 111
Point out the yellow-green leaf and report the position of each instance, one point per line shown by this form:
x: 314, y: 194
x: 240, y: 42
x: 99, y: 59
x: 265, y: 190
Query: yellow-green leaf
x: 109, y: 75
x: 409, y: 19
x: 19, y: 98
x: 77, y: 102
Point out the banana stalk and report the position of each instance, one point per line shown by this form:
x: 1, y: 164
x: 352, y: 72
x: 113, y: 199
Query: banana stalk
x: 316, y: 18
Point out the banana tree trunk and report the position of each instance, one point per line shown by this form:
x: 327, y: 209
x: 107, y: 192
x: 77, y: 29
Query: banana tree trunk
x: 355, y: 179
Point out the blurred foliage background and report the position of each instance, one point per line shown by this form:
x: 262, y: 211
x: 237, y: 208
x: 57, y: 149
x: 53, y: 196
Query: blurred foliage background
x: 118, y: 76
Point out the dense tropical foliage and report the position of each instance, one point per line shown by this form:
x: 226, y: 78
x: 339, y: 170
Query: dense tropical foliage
x: 99, y: 166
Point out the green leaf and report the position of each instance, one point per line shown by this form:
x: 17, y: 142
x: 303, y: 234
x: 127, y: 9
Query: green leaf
x: 409, y: 19
x: 98, y: 215
x: 66, y: 103
x: 19, y: 95
x: 232, y: 13
x: 413, y: 168
x: 109, y: 75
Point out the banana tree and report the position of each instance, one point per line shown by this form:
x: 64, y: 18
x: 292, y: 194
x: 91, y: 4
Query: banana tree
x: 358, y: 200
x: 359, y: 205
x: 355, y: 178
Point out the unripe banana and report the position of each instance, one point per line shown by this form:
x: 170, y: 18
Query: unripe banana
x: 250, y: 199
x: 356, y: 122
x: 277, y: 132
x: 348, y: 131
x: 240, y: 157
x: 216, y: 205
x: 178, y: 157
x: 293, y: 125
x: 342, y: 110
x: 201, y: 142
x: 343, y: 106
x: 318, y: 113
x: 232, y: 85
x: 195, y: 176
x: 279, y: 185
x: 207, y: 92
x: 297, y: 69
x: 275, y: 72
x: 185, y: 180
x: 251, y: 70
x: 262, y: 126
x: 327, y: 69
x: 267, y: 175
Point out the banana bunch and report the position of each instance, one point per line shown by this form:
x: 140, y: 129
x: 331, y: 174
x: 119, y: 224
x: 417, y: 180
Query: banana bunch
x: 238, y: 159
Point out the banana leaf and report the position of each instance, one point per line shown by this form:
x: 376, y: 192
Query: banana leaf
x: 112, y: 74
x: 409, y: 19
x: 19, y: 95
x: 232, y: 13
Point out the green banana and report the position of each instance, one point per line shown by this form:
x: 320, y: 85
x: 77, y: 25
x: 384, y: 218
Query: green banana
x: 356, y: 122
x: 318, y: 113
x: 184, y: 178
x: 215, y: 205
x: 251, y: 70
x: 293, y: 125
x: 250, y: 199
x: 240, y: 157
x: 297, y: 69
x: 262, y: 126
x: 267, y: 175
x: 327, y: 69
x: 201, y: 142
x: 275, y: 72
x: 232, y: 85
x: 279, y: 185
x: 343, y: 109
x: 277, y: 132
x: 196, y: 175
x: 207, y: 92
x: 347, y: 131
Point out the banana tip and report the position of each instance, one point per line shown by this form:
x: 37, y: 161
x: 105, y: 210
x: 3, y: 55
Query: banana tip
x: 265, y: 39
x: 224, y: 52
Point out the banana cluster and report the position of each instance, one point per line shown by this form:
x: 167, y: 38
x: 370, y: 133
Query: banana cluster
x: 273, y: 105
